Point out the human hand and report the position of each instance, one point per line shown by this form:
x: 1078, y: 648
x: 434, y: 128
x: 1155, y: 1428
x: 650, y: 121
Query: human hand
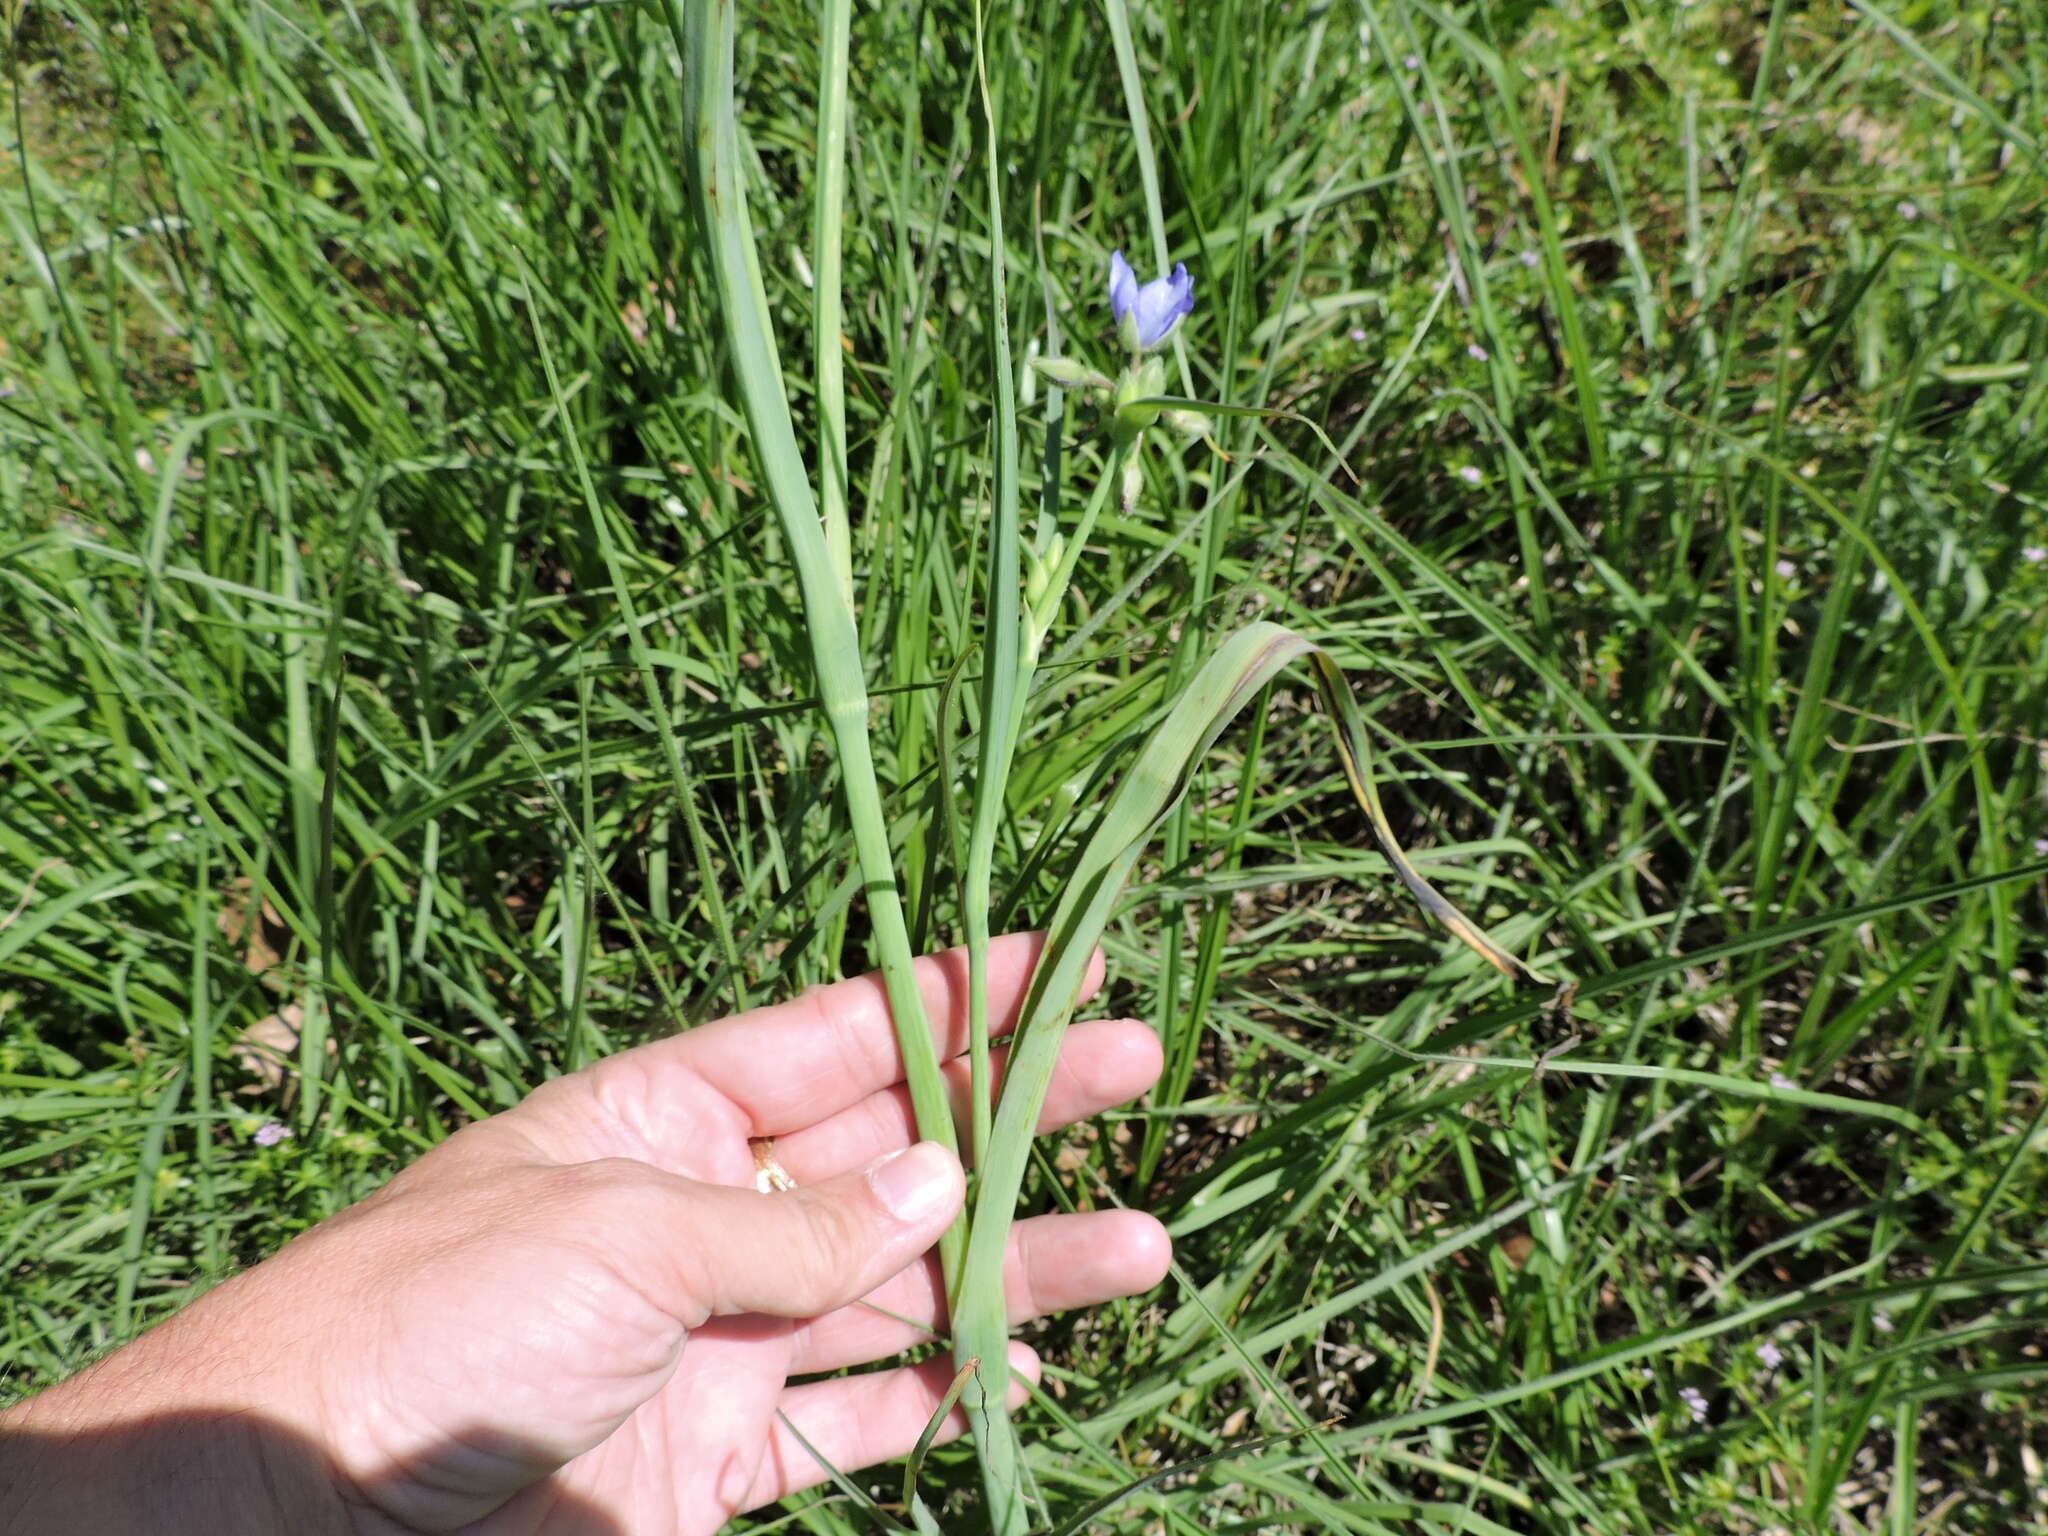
x: 580, y: 1315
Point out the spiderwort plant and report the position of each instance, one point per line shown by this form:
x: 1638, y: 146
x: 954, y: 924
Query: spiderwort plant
x: 1023, y: 602
x: 1146, y: 318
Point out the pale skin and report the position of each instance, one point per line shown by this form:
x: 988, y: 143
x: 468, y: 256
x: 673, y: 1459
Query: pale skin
x: 581, y: 1315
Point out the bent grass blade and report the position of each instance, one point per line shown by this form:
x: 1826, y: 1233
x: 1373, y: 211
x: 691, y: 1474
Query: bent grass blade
x: 1143, y: 799
x: 920, y: 1512
x: 1353, y: 748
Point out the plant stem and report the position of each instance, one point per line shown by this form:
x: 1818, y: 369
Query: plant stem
x: 828, y: 208
x: 1005, y: 681
x: 705, y: 33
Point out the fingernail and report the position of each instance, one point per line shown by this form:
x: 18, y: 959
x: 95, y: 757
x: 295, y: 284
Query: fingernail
x: 914, y: 1184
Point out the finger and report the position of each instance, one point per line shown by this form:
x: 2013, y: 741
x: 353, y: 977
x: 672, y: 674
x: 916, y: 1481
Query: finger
x: 1055, y: 1263
x: 857, y: 1421
x: 1100, y: 1064
x: 791, y: 1064
x: 793, y: 1254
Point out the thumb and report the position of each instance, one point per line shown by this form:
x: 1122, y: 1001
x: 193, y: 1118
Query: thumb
x: 809, y: 1250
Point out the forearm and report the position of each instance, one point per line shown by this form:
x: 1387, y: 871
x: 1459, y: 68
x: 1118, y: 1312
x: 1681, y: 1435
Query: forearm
x: 137, y: 1444
x: 283, y: 1400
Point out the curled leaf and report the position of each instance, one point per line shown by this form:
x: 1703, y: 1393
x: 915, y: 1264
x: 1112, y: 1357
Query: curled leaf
x: 1143, y: 798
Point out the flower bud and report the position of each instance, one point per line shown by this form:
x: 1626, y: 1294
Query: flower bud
x: 1068, y: 374
x: 1134, y: 482
x: 1140, y: 381
x: 1045, y: 564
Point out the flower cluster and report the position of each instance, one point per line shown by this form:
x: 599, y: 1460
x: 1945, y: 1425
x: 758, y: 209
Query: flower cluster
x: 1147, y: 315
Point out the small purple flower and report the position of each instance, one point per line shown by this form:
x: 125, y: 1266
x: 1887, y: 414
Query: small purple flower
x: 1471, y: 474
x: 1786, y: 569
x: 1475, y: 351
x: 2034, y: 554
x: 271, y: 1133
x: 1530, y: 259
x: 1147, y: 316
x: 1695, y: 1403
x: 1770, y: 1355
x: 1909, y: 210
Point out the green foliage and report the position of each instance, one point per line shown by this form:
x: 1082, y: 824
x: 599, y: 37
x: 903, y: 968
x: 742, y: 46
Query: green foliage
x: 399, y: 658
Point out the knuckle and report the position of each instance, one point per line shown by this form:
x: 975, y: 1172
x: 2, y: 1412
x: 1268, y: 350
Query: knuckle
x: 1018, y: 1280
x: 602, y: 1190
x: 834, y: 1239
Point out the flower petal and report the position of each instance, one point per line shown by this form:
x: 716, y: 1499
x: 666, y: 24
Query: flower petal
x: 1162, y: 304
x: 1123, y: 286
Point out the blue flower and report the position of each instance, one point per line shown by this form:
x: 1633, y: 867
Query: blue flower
x: 1146, y: 316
